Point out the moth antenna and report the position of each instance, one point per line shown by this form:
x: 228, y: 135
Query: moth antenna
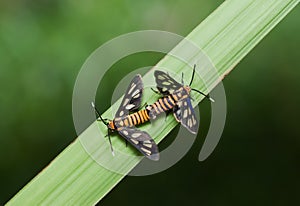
x: 207, y: 96
x: 98, y: 113
x: 193, y: 75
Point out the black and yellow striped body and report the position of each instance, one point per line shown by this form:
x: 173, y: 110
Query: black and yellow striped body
x: 131, y: 120
x: 167, y: 102
x: 162, y: 105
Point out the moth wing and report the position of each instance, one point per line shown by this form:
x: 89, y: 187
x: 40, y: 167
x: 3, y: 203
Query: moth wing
x: 132, y: 98
x: 165, y: 84
x: 142, y: 141
x: 185, y: 114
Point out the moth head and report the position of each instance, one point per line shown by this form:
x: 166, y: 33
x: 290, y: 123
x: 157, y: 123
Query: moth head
x: 111, y: 125
x: 187, y: 89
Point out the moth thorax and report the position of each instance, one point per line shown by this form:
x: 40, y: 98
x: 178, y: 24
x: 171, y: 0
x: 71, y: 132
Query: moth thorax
x: 111, y: 125
x: 148, y: 108
x: 187, y: 89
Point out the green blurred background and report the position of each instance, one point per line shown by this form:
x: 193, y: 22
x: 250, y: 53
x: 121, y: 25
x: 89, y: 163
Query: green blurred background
x: 42, y: 47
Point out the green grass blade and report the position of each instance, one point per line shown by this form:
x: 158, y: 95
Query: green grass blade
x: 226, y: 36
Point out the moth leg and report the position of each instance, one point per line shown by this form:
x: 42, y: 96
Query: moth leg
x: 182, y: 82
x: 111, y: 147
x: 145, y: 105
x: 167, y: 114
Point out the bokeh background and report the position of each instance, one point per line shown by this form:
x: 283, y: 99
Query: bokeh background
x: 42, y: 47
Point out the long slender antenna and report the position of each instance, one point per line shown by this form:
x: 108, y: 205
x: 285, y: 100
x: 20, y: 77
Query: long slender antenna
x: 207, y: 96
x: 193, y: 75
x: 98, y: 113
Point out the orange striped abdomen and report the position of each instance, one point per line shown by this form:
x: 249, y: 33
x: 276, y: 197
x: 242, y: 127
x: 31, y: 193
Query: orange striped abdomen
x: 133, y: 119
x: 162, y: 105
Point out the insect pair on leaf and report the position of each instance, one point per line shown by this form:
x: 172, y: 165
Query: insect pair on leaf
x: 176, y: 98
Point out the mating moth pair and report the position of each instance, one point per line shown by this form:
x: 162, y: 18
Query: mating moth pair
x: 176, y: 98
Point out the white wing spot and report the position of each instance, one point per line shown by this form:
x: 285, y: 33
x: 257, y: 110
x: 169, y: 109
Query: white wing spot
x: 166, y: 83
x: 185, y: 113
x: 194, y: 120
x: 126, y: 102
x: 160, y: 77
x: 132, y: 88
x: 121, y: 113
x: 145, y: 150
x: 135, y: 92
x: 136, y: 96
x: 134, y: 141
x: 129, y: 106
x: 135, y: 135
x: 147, y: 145
x: 189, y: 123
x: 125, y: 132
x: 185, y: 103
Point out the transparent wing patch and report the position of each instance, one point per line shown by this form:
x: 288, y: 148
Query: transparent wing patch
x: 132, y: 98
x: 140, y: 140
x: 185, y: 114
x: 165, y: 84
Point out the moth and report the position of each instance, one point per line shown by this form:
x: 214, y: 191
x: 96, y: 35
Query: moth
x: 124, y: 123
x: 176, y: 97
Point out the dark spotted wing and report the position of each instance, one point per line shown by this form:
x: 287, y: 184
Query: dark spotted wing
x: 165, y: 84
x: 185, y: 114
x: 140, y: 140
x: 132, y: 98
